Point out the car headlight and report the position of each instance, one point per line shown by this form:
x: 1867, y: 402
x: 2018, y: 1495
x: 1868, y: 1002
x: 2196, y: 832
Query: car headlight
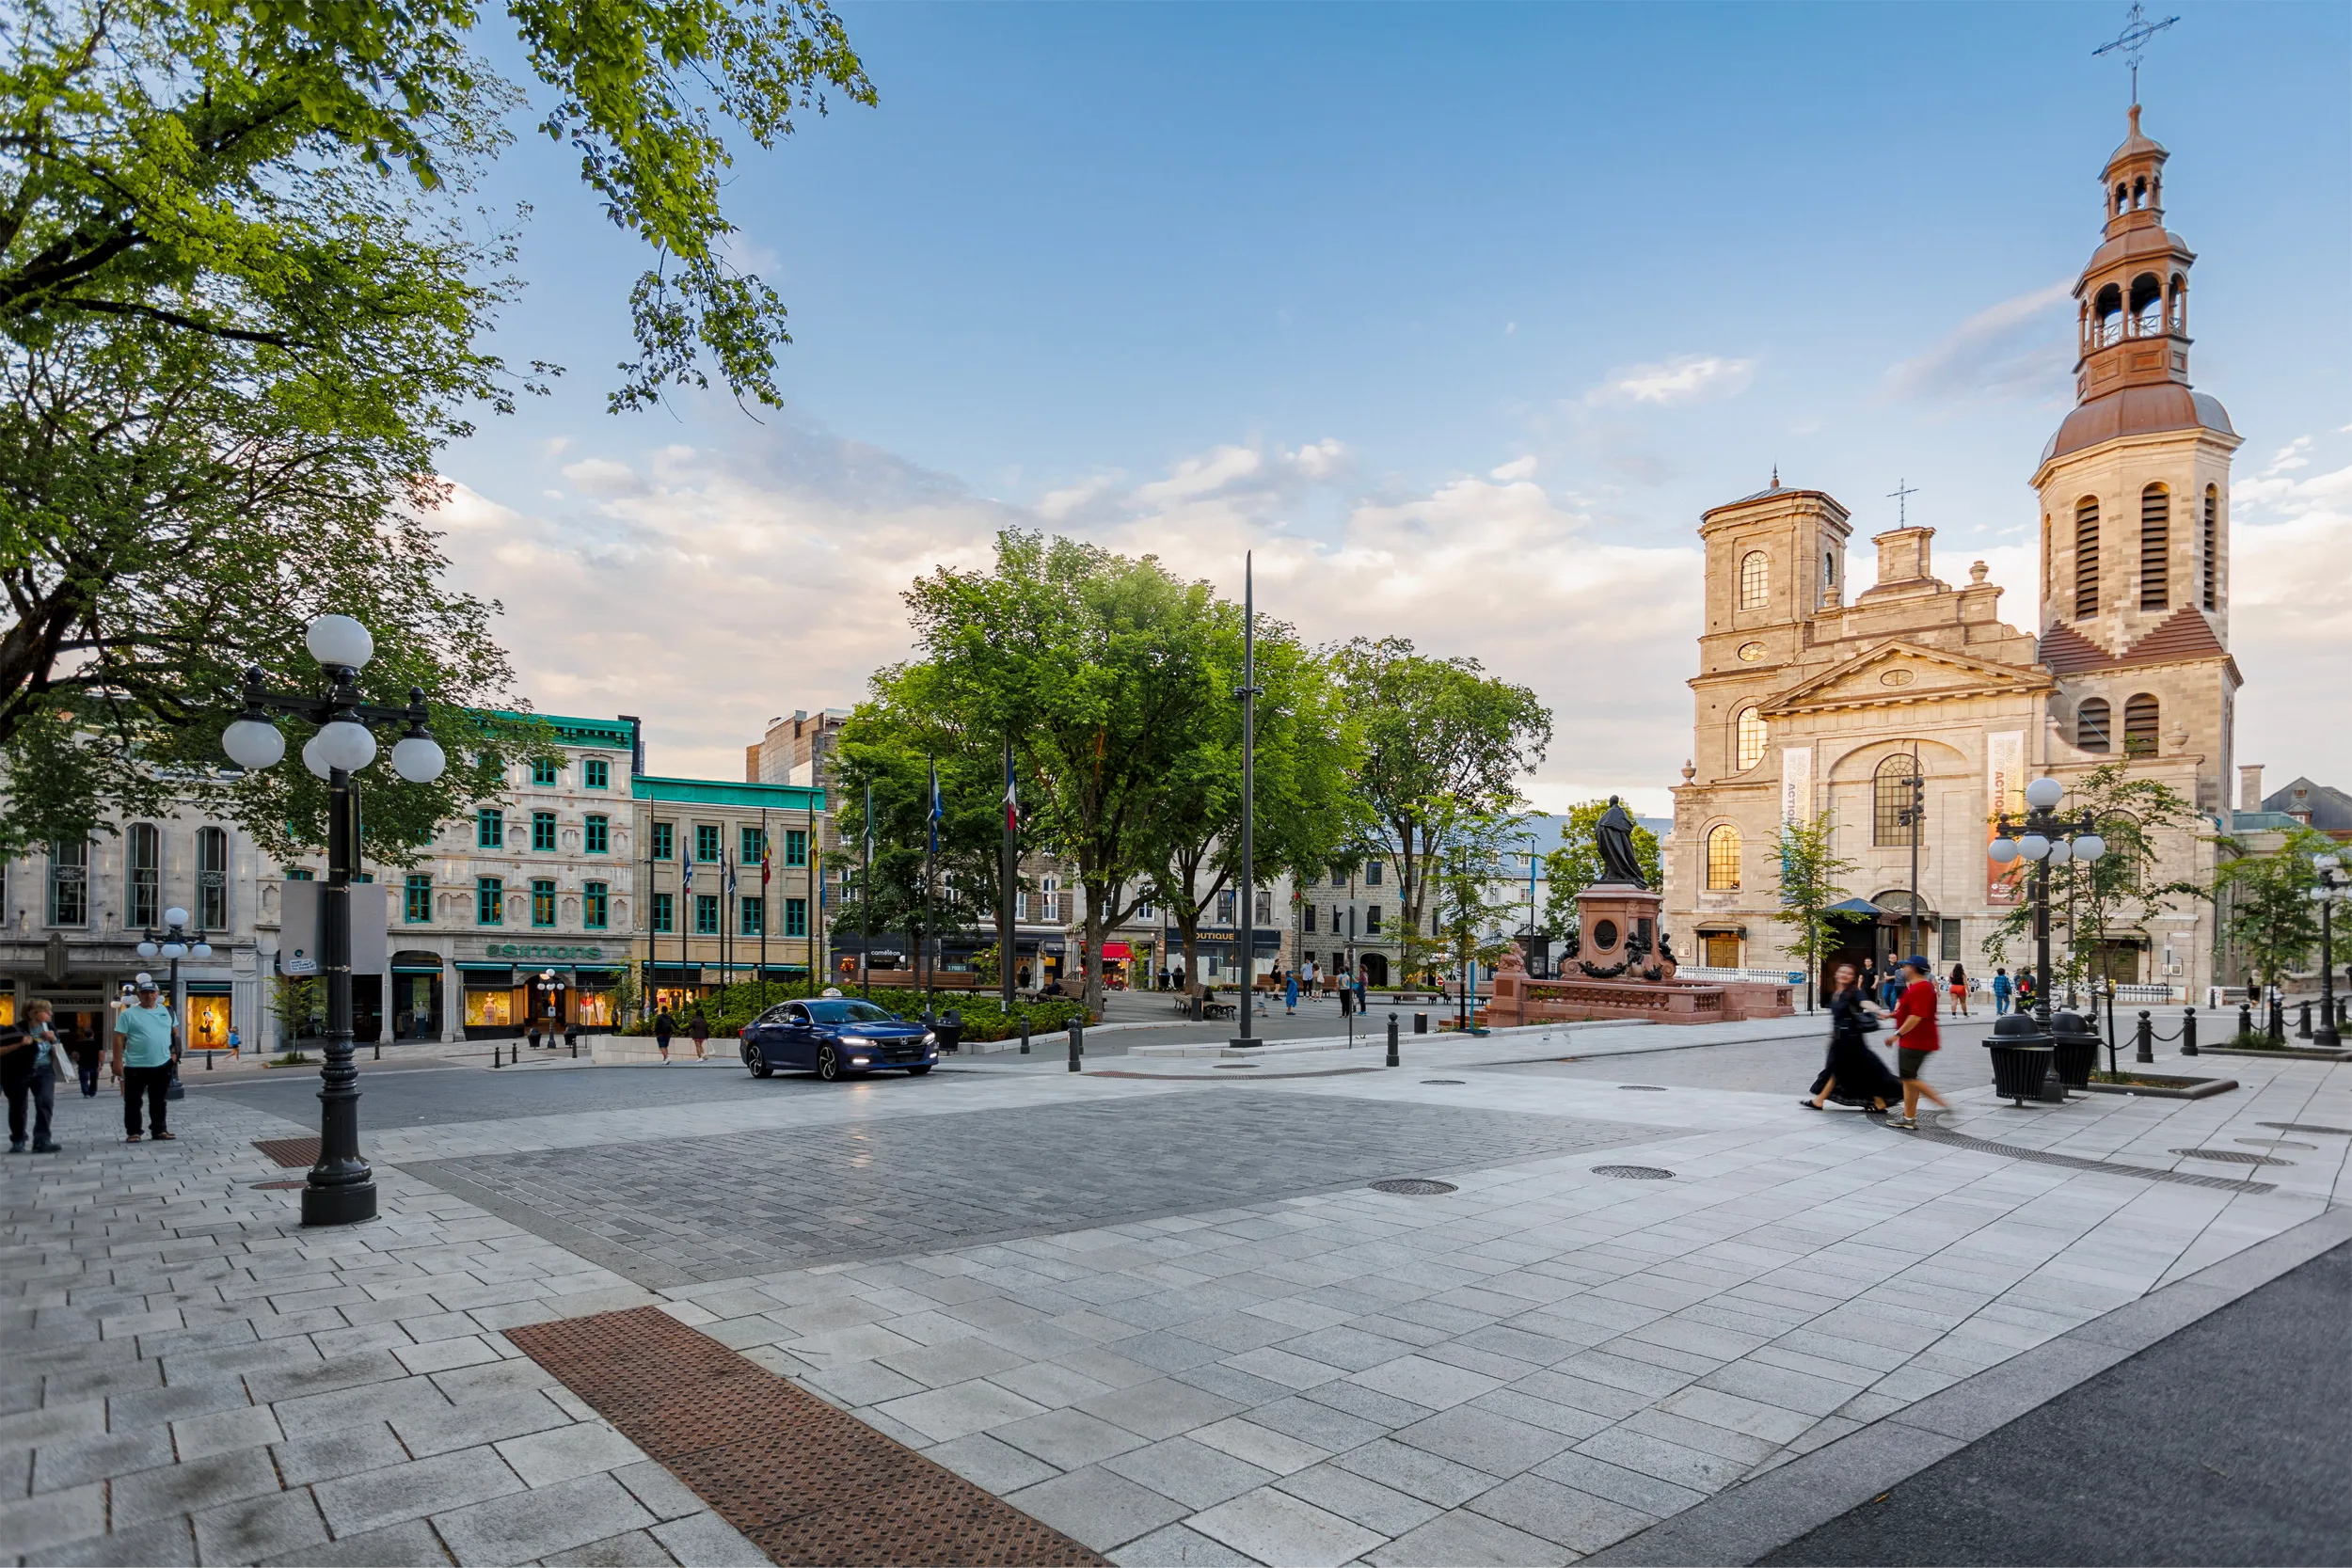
x: 856, y: 1043
x: 929, y: 1038
x: 857, y: 1061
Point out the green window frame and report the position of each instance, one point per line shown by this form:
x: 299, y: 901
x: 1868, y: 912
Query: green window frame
x: 547, y: 775
x: 665, y: 840
x: 543, y: 833
x: 490, y: 901
x: 795, y: 846
x: 596, y: 902
x: 751, y: 915
x: 707, y: 842
x: 752, y: 843
x: 489, y: 829
x: 705, y: 914
x: 543, y: 901
x: 300, y: 874
x: 597, y: 836
x: 596, y: 773
x: 417, y: 898
x: 795, y: 917
x: 665, y: 912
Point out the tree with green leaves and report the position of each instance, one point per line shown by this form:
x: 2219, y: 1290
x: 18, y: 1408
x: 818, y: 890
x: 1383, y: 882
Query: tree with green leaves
x: 244, y: 301
x: 1440, y: 743
x: 1575, y: 866
x: 1812, y: 879
x: 2264, y: 898
x: 2093, y: 899
x: 1469, y: 892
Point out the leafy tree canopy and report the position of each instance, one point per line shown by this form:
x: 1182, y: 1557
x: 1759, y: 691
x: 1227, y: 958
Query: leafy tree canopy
x: 2265, y: 900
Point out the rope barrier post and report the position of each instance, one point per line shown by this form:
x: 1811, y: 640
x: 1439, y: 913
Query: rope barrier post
x: 2146, y: 1033
x: 1077, y: 1042
x: 1025, y: 1033
x: 2278, y: 1021
x: 2303, y: 1023
x: 1392, y: 1058
x: 2189, y: 1031
x: 2245, y: 1020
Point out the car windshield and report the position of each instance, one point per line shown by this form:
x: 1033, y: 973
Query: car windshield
x: 848, y: 1012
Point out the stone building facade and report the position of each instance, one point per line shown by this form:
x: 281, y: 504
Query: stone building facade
x: 1808, y: 701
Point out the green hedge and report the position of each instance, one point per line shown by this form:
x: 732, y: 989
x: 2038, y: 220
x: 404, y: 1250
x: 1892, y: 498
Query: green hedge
x: 984, y: 1019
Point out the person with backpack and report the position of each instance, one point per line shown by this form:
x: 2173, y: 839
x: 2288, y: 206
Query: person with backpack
x: 662, y: 1029
x: 2001, y: 988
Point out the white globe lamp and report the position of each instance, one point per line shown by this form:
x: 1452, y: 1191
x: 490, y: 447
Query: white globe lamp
x: 175, y: 916
x: 2033, y: 846
x: 347, y: 745
x: 2045, y: 793
x: 339, y: 640
x: 418, y: 758
x: 2090, y: 846
x: 147, y: 949
x: 253, y: 744
x: 2002, y: 851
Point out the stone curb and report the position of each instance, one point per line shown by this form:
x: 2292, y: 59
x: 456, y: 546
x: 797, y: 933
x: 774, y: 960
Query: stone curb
x: 1759, y: 1517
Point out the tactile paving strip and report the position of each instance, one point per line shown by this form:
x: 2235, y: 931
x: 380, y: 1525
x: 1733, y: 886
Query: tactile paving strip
x: 290, y: 1151
x: 806, y: 1482
x: 2041, y: 1157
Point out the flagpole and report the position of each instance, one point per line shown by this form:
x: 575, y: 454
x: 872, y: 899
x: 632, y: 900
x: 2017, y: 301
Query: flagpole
x: 763, y: 909
x: 865, y: 900
x: 930, y: 851
x: 1007, y: 937
x: 812, y: 885
x: 1248, y: 694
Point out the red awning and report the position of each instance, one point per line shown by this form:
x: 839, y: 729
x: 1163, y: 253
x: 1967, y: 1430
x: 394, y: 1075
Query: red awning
x: 1116, y: 950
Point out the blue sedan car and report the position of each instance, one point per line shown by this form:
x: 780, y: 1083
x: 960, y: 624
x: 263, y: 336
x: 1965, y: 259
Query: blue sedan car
x: 835, y: 1036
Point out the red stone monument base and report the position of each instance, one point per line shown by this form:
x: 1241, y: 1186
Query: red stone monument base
x: 1621, y: 940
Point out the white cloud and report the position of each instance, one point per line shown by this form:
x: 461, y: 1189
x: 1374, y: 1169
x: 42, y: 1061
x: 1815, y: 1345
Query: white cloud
x: 2291, y: 620
x: 1518, y: 468
x: 2016, y: 348
x: 1685, y: 378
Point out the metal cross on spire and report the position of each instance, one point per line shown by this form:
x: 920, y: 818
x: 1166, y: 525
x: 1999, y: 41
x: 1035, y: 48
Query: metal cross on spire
x: 1901, y: 495
x: 2133, y: 40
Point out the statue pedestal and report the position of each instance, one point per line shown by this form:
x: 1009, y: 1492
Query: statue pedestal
x: 1619, y: 926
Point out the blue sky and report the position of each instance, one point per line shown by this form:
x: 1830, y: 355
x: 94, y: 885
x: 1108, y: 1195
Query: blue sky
x: 1459, y: 314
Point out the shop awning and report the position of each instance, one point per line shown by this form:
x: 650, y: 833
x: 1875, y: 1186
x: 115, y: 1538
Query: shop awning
x: 1856, y: 907
x: 486, y: 970
x: 1117, y: 951
x: 208, y: 988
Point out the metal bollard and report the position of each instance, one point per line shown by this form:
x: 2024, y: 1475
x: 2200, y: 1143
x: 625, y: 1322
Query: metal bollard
x: 2278, y: 1019
x: 1420, y: 1024
x: 494, y: 1054
x: 2189, y: 1031
x: 1392, y: 1058
x: 2245, y: 1020
x: 379, y: 1048
x: 2303, y: 1022
x: 1078, y: 1043
x: 575, y: 1048
x: 2146, y: 1035
x: 1025, y: 1033
x: 208, y: 1060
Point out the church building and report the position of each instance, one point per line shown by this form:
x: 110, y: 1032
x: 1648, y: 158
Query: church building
x: 1810, y: 699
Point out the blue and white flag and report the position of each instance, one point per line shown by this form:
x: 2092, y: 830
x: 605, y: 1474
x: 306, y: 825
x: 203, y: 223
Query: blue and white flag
x: 936, y: 812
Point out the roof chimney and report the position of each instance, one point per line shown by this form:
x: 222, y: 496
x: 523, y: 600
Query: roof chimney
x: 2249, y: 787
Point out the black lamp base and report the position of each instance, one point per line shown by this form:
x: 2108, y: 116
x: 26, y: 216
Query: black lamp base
x: 344, y: 1205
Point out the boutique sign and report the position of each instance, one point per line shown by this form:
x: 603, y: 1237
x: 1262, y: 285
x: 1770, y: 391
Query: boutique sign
x: 542, y: 951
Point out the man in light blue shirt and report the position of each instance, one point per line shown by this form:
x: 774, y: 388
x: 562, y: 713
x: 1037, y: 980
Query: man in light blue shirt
x: 143, y: 1050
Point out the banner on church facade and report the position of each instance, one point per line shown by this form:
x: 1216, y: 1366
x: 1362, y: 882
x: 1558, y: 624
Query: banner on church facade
x: 2004, y: 796
x: 1796, y: 784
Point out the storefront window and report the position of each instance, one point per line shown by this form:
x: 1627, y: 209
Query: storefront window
x: 7, y: 1009
x: 593, y: 1009
x: 208, y: 1023
x: 489, y: 1009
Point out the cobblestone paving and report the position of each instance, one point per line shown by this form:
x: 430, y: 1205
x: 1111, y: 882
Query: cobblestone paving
x: 875, y: 1188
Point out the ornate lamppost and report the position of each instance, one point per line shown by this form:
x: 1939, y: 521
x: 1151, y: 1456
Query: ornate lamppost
x: 2046, y: 839
x: 342, y: 1189
x: 176, y: 942
x: 2333, y: 885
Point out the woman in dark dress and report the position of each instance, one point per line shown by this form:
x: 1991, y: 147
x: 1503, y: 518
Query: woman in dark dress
x: 1853, y: 1074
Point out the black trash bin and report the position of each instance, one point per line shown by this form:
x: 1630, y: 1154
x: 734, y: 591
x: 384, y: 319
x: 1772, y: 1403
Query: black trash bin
x: 948, y: 1026
x: 2020, y: 1058
x: 2075, y: 1044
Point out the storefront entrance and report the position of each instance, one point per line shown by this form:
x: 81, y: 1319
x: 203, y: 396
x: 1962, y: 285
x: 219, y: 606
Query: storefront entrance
x: 415, y: 1005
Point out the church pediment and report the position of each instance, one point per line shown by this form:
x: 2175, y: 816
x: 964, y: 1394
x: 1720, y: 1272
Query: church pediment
x: 1898, y: 672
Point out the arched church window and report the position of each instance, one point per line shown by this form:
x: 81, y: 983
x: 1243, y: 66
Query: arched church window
x: 2213, y: 546
x: 1754, y: 579
x: 2092, y: 722
x: 2139, y: 725
x: 2087, y: 558
x: 1747, y: 739
x: 2155, y: 547
x: 2147, y: 306
x: 1723, y: 859
x: 1891, y: 802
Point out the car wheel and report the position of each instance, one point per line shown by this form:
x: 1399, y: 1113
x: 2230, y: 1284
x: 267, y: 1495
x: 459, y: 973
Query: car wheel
x: 757, y: 1060
x: 918, y: 1069
x: 828, y: 1062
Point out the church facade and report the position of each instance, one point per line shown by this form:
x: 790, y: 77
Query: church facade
x: 1812, y: 700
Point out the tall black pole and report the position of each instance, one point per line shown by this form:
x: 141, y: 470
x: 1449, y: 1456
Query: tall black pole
x: 2040, y: 940
x: 767, y: 858
x: 865, y: 900
x: 1919, y: 809
x: 2327, y: 1037
x: 1007, y: 939
x: 342, y: 1189
x: 927, y: 954
x: 813, y: 886
x: 1249, y: 695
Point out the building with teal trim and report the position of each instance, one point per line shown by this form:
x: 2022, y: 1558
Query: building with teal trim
x: 706, y: 916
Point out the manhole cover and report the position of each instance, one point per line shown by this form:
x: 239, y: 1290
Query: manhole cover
x: 1414, y: 1186
x: 2233, y: 1156
x: 2308, y: 1127
x: 1646, y: 1088
x: 2276, y: 1143
x: 1455, y: 1082
x: 1634, y: 1173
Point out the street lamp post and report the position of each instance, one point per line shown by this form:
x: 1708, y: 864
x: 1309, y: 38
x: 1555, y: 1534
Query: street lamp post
x: 1910, y: 816
x: 2047, y: 840
x: 174, y: 943
x: 1249, y: 696
x: 2333, y: 885
x: 342, y: 1189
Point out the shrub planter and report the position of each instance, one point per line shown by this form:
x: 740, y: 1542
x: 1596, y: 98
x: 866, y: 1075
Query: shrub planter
x: 2157, y: 1085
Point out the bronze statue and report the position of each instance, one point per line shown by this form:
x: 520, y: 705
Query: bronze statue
x: 1613, y: 839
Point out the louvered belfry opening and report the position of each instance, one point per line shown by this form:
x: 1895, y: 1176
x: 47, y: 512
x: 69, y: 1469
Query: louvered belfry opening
x: 2091, y: 724
x: 2155, y: 547
x: 2139, y: 726
x: 2213, y: 546
x: 2086, y: 559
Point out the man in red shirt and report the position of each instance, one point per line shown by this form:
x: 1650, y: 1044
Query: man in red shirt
x: 1915, y: 1040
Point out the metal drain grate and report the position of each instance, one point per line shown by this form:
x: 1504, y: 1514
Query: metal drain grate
x: 290, y: 1152
x: 1414, y: 1186
x: 1236, y: 1064
x: 1455, y: 1082
x: 2276, y: 1143
x: 2233, y: 1156
x: 2307, y: 1127
x: 1646, y: 1088
x: 1929, y: 1132
x: 1635, y: 1173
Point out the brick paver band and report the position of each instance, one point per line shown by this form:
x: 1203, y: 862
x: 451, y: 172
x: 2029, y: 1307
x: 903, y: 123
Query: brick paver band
x: 806, y: 1482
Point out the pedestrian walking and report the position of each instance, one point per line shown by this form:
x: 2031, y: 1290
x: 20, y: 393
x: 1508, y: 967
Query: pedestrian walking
x: 1960, y: 990
x: 571, y: 1035
x: 1915, y: 1040
x: 662, y: 1030
x: 1869, y: 982
x: 29, y: 1054
x: 2001, y: 988
x: 86, y: 1054
x: 698, y: 1030
x: 1852, y: 1074
x: 1364, y: 975
x: 1289, y: 995
x: 236, y: 1043
x: 142, y: 1062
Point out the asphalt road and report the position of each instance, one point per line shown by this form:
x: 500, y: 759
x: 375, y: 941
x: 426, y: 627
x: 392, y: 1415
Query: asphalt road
x: 2225, y: 1443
